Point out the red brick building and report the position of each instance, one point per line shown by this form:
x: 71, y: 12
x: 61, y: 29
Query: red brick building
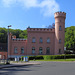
x: 3, y: 51
x: 40, y: 41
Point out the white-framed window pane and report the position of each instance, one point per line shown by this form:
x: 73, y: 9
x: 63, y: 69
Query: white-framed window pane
x: 33, y: 50
x: 33, y: 40
x: 47, y: 50
x: 40, y: 50
x: 15, y: 50
x: 22, y: 50
x: 41, y: 40
x: 48, y: 40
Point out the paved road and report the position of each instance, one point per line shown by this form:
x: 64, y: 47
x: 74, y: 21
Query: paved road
x: 45, y: 68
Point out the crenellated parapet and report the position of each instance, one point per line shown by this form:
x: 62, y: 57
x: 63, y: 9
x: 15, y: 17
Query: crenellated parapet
x: 60, y: 14
x: 19, y: 39
x: 40, y: 30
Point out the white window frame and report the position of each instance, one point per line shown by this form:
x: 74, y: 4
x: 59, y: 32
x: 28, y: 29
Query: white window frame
x: 15, y: 50
x: 47, y: 49
x: 41, y: 40
x: 22, y: 50
x: 40, y: 50
x: 33, y: 50
x: 48, y: 40
x: 33, y: 40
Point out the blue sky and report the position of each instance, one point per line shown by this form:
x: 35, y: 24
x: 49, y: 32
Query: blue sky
x: 34, y: 13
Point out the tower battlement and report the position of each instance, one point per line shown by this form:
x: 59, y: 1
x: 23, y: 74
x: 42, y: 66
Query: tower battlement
x: 60, y: 14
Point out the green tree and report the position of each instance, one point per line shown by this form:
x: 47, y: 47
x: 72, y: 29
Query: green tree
x: 70, y: 37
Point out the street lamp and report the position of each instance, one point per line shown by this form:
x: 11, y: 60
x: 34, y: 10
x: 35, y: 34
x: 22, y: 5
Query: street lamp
x: 7, y: 43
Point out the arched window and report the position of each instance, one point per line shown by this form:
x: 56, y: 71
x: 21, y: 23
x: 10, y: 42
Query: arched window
x: 15, y: 50
x: 41, y: 40
x: 59, y: 28
x: 33, y: 50
x: 40, y: 50
x: 47, y: 50
x: 22, y: 50
x: 33, y: 40
x: 48, y: 40
x: 59, y: 51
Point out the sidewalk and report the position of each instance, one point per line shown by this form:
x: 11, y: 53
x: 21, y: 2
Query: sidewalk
x: 19, y: 64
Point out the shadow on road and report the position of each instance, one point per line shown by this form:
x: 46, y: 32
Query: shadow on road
x: 11, y: 70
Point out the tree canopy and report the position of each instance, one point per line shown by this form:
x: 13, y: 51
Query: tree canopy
x: 70, y: 37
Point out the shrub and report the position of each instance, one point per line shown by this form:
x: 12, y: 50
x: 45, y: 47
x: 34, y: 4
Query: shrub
x: 36, y: 57
x: 49, y: 57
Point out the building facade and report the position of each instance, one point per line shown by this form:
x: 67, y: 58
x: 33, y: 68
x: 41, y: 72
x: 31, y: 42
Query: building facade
x: 3, y: 51
x: 40, y: 41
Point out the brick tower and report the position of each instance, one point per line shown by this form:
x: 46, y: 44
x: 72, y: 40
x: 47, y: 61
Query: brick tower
x: 59, y: 32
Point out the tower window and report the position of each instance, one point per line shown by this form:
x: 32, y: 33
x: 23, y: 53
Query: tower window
x: 33, y: 40
x: 60, y: 20
x: 41, y: 40
x: 59, y: 40
x: 59, y: 51
x: 33, y: 50
x: 59, y: 28
x: 40, y: 50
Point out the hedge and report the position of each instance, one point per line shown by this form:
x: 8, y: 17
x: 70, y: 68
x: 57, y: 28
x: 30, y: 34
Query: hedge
x: 49, y: 57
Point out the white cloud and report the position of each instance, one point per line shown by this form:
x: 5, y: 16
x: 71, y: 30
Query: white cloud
x: 47, y: 7
x: 7, y: 3
x: 29, y: 3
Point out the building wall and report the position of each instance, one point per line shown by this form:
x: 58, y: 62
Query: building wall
x: 17, y: 43
x: 3, y: 55
x: 44, y: 34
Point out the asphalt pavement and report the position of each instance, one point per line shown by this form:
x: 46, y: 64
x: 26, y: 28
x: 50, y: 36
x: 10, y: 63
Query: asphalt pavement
x: 44, y: 68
